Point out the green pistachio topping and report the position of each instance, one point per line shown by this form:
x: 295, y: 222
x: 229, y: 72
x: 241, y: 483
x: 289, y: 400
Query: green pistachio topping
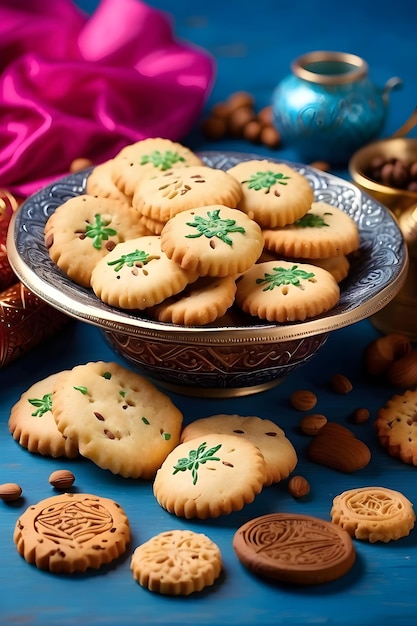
x: 310, y: 220
x: 195, y: 459
x: 44, y: 404
x: 107, y: 375
x: 284, y: 276
x: 99, y: 231
x: 138, y: 257
x: 162, y: 160
x: 83, y: 390
x: 214, y: 226
x: 145, y: 421
x: 266, y: 180
x: 166, y: 436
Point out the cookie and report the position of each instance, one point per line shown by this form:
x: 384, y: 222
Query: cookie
x: 210, y: 476
x: 100, y: 183
x: 292, y: 548
x: 373, y: 514
x: 117, y: 418
x: 213, y: 240
x: 200, y: 303
x: 177, y: 563
x: 278, y: 452
x: 338, y: 266
x: 72, y: 532
x: 166, y: 195
x: 324, y: 231
x: 273, y: 194
x: 84, y: 230
x: 282, y: 291
x: 32, y: 424
x: 396, y: 426
x: 137, y: 274
x: 147, y: 158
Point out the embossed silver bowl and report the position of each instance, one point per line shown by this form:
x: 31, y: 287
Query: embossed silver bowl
x: 238, y: 355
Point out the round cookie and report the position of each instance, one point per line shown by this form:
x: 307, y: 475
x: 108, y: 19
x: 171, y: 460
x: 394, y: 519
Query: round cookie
x: 147, y: 158
x: 200, y: 303
x: 85, y: 229
x: 210, y: 476
x: 166, y: 195
x: 373, y: 513
x: 72, y: 532
x: 278, y: 452
x: 273, y: 194
x: 298, y: 549
x: 100, y: 183
x: 283, y: 291
x: 32, y: 424
x: 324, y: 231
x: 177, y: 563
x: 396, y: 426
x: 117, y: 418
x: 137, y: 274
x: 212, y: 240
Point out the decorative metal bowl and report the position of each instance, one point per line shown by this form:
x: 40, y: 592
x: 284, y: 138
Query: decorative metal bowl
x: 238, y: 355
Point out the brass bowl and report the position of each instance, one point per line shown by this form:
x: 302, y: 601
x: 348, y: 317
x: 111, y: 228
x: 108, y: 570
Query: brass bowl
x: 397, y: 200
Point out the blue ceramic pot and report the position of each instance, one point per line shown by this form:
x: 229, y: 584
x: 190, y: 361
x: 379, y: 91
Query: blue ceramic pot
x: 328, y: 108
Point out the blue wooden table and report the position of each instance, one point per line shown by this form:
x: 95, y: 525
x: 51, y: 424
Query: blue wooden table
x: 253, y: 44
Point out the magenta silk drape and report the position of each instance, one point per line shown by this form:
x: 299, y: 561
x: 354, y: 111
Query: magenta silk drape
x: 73, y: 85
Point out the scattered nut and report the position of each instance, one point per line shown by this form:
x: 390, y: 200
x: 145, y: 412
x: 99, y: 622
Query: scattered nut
x: 303, y: 400
x: 9, y: 492
x: 80, y: 164
x: 62, y: 479
x: 323, y: 166
x: 393, y: 172
x: 381, y: 352
x: 360, y: 415
x: 311, y: 424
x: 403, y: 372
x: 298, y: 486
x: 341, y: 384
x: 337, y: 447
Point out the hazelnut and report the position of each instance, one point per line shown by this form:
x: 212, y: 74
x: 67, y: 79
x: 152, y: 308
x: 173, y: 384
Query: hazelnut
x: 360, y: 415
x: 298, y: 486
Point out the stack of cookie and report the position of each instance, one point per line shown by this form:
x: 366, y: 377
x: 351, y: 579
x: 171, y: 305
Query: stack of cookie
x: 160, y: 232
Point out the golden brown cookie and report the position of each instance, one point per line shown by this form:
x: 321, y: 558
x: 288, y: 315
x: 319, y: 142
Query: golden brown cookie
x: 137, y: 274
x: 210, y: 476
x: 72, y: 532
x: 273, y: 194
x: 177, y: 563
x: 396, y: 426
x: 298, y: 549
x: 212, y: 240
x: 324, y: 231
x: 117, y: 418
x: 100, y: 183
x: 282, y: 291
x: 373, y: 513
x: 278, y: 452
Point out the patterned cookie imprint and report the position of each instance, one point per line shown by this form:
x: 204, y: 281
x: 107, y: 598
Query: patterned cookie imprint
x: 396, y: 426
x: 273, y: 194
x: 210, y: 476
x: 282, y: 291
x: 117, y: 418
x: 373, y: 514
x: 298, y: 549
x: 177, y: 562
x: 72, y: 532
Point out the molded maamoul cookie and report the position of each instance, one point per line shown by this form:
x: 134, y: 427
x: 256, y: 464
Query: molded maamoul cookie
x: 212, y: 240
x: 210, y: 476
x: 282, y: 291
x: 85, y: 229
x: 166, y: 195
x: 137, y: 274
x: 278, y: 452
x: 396, y: 426
x: 273, y: 194
x: 177, y: 563
x: 373, y: 513
x: 72, y: 532
x: 147, y: 158
x: 324, y: 231
x: 200, y: 303
x: 117, y: 418
x: 32, y: 424
x: 292, y: 548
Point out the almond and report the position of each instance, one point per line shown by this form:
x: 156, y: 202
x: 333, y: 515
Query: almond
x: 10, y: 492
x: 303, y: 400
x: 298, y: 486
x: 337, y: 447
x: 341, y: 384
x: 311, y: 424
x: 62, y: 479
x: 403, y: 372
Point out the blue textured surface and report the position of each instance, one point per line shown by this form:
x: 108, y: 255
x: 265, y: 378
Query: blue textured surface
x: 254, y: 44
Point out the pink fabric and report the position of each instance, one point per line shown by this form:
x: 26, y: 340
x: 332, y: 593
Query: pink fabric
x: 73, y: 85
